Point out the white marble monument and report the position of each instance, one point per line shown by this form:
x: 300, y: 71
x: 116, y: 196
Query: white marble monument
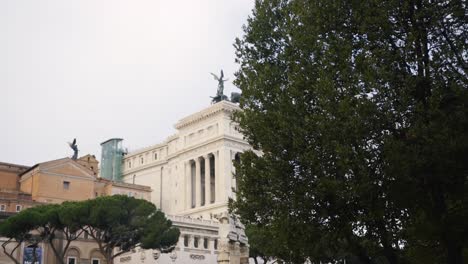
x: 191, y: 177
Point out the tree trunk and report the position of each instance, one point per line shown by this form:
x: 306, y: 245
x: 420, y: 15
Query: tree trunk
x: 34, y: 260
x: 454, y: 253
x: 255, y: 260
x: 59, y: 254
x: 109, y: 258
x: 10, y: 255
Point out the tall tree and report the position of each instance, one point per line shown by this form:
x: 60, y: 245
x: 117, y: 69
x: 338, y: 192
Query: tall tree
x: 17, y: 230
x: 119, y: 224
x: 59, y: 223
x: 159, y: 233
x: 260, y: 246
x: 116, y: 223
x: 360, y: 111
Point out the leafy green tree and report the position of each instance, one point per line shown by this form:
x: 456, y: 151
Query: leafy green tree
x: 59, y: 226
x: 259, y: 243
x: 123, y: 223
x: 159, y: 233
x: 360, y: 112
x: 114, y: 222
x: 52, y: 224
x: 17, y: 230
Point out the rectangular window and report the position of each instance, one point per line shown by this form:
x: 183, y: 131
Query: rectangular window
x: 195, y: 242
x: 186, y: 239
x: 71, y: 260
x: 129, y: 164
x: 66, y: 185
x: 96, y: 261
x: 2, y: 208
x: 18, y: 208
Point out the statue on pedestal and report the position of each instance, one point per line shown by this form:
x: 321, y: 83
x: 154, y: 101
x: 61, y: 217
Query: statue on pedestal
x: 234, y: 247
x: 220, y: 92
x: 235, y: 97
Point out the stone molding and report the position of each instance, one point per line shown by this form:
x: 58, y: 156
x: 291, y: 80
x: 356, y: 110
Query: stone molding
x: 223, y: 106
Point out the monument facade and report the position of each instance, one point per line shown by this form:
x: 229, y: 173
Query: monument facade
x: 192, y: 177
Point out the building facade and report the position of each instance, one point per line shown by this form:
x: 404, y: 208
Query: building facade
x: 191, y: 174
x: 57, y: 181
x: 12, y: 200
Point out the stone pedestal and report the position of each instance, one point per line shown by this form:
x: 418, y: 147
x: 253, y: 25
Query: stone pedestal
x: 244, y: 254
x: 233, y: 242
x: 224, y: 251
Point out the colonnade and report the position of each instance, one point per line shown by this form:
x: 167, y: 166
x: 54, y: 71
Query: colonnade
x: 198, y: 241
x: 202, y: 178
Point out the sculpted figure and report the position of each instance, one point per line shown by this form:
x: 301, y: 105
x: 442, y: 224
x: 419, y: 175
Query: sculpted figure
x: 75, y: 149
x: 220, y: 92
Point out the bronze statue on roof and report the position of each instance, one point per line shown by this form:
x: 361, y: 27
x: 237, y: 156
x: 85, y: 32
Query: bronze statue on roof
x: 220, y: 92
x: 75, y: 149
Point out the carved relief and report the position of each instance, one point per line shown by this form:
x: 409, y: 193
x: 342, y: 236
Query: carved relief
x: 197, y: 257
x: 125, y: 259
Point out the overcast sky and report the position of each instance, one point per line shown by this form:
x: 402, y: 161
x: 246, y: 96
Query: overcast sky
x: 94, y: 70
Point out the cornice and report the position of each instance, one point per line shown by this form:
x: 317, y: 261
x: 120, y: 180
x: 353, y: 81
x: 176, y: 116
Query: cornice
x: 225, y: 139
x: 223, y: 106
x: 202, y: 209
x: 158, y: 163
x: 140, y: 151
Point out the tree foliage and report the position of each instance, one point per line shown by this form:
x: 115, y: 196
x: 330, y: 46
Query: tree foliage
x: 123, y: 223
x: 360, y: 112
x: 260, y: 245
x: 17, y: 230
x: 116, y: 223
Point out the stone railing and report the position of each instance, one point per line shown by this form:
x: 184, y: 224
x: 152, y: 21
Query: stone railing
x: 184, y: 219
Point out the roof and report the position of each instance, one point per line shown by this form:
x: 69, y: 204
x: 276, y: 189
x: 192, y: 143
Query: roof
x: 118, y: 139
x: 55, y: 161
x: 37, y: 165
x: 125, y: 185
x: 12, y: 167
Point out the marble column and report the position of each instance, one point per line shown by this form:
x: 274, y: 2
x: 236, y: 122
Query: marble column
x: 187, y: 182
x: 197, y: 183
x: 207, y: 180
x: 218, y: 175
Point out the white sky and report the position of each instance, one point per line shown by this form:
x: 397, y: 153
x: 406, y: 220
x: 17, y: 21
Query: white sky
x: 94, y: 70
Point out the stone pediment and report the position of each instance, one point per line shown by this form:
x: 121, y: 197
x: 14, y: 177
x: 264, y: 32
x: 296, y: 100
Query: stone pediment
x: 223, y: 106
x: 66, y: 167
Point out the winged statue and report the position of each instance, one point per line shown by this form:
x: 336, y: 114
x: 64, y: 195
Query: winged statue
x: 220, y: 92
x: 75, y: 149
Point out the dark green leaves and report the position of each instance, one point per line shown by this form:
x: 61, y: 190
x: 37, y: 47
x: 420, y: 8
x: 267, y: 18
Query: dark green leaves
x: 359, y: 111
